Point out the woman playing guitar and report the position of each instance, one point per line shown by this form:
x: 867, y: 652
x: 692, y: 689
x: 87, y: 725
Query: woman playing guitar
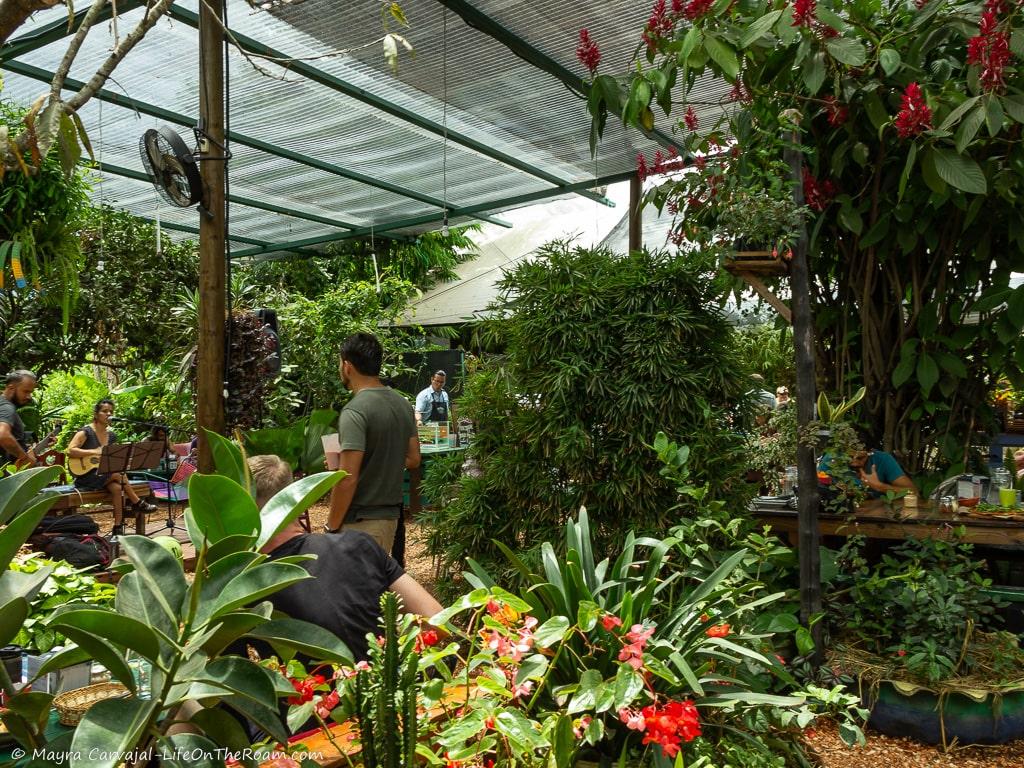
x: 87, y: 444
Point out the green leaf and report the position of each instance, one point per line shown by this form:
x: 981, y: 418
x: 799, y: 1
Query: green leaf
x: 315, y: 642
x: 958, y: 112
x: 908, y: 364
x: 108, y: 730
x: 876, y: 110
x: 105, y: 653
x: 290, y: 502
x: 830, y: 18
x: 813, y: 72
x: 969, y: 127
x: 1015, y: 307
x: 952, y: 364
x: 12, y: 616
x: 960, y: 172
x: 723, y: 55
x: 1014, y: 105
x: 847, y: 50
x: 586, y: 694
x: 849, y: 217
x: 190, y: 750
x: 551, y: 631
x: 119, y: 630
x: 993, y: 115
x: 905, y: 176
x: 514, y: 724
x: 694, y: 37
x: 220, y: 508
x: 930, y: 174
x: 227, y: 457
x: 804, y: 646
x: 532, y: 667
x: 890, y: 60
x: 18, y: 489
x: 255, y: 584
x: 216, y: 723
x: 927, y: 372
x: 628, y: 685
x: 241, y: 676
x: 160, y: 572
x: 758, y: 28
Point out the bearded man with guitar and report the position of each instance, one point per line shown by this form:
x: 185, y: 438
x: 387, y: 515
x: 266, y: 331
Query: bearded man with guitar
x: 18, y: 388
x: 84, y: 451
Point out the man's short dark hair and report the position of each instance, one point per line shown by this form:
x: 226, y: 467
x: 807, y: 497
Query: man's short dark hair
x: 15, y: 377
x: 364, y: 352
x: 440, y: 373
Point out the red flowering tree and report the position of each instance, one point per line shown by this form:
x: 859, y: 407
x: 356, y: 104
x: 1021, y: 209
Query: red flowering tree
x: 910, y: 121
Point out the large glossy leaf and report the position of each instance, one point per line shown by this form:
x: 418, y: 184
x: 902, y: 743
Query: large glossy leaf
x: 161, y: 574
x: 229, y: 545
x: 190, y: 750
x: 62, y: 659
x: 109, y: 729
x: 290, y: 502
x: 264, y: 717
x: 12, y: 617
x: 16, y: 532
x: 229, y: 628
x: 228, y: 459
x: 134, y: 599
x: 927, y: 372
x: 242, y: 677
x: 255, y: 584
x: 14, y: 584
x: 723, y: 55
x: 315, y: 642
x: 217, y: 576
x: 847, y: 51
x: 119, y: 630
x: 103, y: 652
x: 31, y: 706
x: 758, y: 28
x: 221, y: 507
x: 960, y: 172
x: 218, y: 725
x: 16, y: 490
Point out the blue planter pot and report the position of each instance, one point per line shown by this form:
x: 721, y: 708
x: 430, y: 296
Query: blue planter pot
x: 992, y: 720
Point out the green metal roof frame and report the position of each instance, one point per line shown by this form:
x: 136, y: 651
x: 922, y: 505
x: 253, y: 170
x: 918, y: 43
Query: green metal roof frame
x: 195, y: 231
x: 479, y: 20
x: 59, y: 29
x: 429, y: 218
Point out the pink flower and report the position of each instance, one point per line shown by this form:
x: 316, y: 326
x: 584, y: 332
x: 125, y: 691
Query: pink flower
x: 609, y: 622
x: 632, y: 654
x: 587, y: 52
x: 638, y: 634
x: 914, y: 115
x: 690, y: 118
x: 579, y: 727
x: 327, y: 703
x: 523, y: 689
x: 633, y: 719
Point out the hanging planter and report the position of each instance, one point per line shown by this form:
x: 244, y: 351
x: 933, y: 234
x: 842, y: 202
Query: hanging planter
x: 746, y: 258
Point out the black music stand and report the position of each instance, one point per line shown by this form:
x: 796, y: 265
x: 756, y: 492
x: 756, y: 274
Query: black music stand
x: 146, y: 456
x: 114, y: 458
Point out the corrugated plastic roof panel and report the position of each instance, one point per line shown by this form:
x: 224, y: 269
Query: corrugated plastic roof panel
x: 515, y: 132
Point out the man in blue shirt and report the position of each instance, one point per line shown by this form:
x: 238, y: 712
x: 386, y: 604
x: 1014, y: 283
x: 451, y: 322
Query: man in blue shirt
x: 878, y: 470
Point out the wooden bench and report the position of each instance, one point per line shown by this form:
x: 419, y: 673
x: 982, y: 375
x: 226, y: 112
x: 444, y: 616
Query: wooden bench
x: 69, y: 501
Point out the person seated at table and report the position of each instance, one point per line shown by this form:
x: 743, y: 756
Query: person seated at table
x: 350, y: 573
x: 159, y: 435
x: 88, y: 442
x: 877, y: 470
x: 1018, y: 461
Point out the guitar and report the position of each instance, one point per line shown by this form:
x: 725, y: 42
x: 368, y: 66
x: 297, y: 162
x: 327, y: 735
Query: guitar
x: 43, y: 444
x: 83, y: 465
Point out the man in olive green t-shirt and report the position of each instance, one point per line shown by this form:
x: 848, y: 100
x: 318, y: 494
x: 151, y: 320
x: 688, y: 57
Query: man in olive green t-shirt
x: 377, y: 434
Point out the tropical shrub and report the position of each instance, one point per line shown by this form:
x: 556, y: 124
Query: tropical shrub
x: 907, y: 118
x: 590, y: 367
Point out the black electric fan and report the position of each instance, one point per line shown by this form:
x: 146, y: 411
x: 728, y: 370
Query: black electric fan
x: 171, y: 167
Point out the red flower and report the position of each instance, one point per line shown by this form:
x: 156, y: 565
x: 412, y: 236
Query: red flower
x: 690, y: 118
x: 914, y: 115
x: 587, y: 52
x: 718, y: 630
x: 740, y: 93
x: 641, y: 166
x: 667, y: 727
x: 609, y: 622
x: 697, y: 8
x: 990, y: 47
x: 658, y: 25
x: 837, y: 113
x: 327, y: 703
x: 817, y: 194
x: 304, y: 688
x: 427, y: 638
x: 803, y: 12
x: 920, y: 4
x: 901, y: 652
x: 705, y: 618
x: 824, y: 31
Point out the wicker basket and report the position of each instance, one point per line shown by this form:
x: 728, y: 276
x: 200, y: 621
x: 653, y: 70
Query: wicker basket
x: 72, y: 705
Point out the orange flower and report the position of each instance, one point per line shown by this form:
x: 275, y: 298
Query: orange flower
x: 718, y: 630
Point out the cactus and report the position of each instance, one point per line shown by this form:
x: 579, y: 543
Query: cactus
x: 387, y: 696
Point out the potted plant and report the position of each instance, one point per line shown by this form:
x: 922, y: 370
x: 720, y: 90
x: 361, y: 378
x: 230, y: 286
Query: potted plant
x: 917, y: 630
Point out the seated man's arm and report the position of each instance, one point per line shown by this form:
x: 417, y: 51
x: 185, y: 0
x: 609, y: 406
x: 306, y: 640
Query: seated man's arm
x: 887, y: 475
x: 10, y: 445
x: 342, y: 493
x: 414, y: 597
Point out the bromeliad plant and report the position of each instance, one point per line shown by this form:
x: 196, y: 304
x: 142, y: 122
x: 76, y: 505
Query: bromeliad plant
x: 181, y: 629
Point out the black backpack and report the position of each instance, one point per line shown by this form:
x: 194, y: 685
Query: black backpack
x: 80, y: 550
x: 54, y: 524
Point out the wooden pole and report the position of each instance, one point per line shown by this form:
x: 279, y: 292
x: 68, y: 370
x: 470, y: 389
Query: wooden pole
x: 636, y: 221
x: 807, y: 475
x: 210, y: 373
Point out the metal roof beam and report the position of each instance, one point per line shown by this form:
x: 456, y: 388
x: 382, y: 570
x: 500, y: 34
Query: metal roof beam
x: 58, y: 29
x: 341, y: 86
x: 416, y: 221
x: 195, y: 231
x: 237, y: 199
x: 479, y: 20
x: 38, y: 73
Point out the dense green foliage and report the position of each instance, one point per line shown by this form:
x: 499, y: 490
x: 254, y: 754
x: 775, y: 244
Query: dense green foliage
x: 601, y: 352
x: 909, y: 126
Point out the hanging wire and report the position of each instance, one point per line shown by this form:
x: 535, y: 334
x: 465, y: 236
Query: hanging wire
x: 444, y: 117
x: 100, y: 262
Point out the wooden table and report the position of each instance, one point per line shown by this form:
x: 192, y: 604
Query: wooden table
x: 874, y: 520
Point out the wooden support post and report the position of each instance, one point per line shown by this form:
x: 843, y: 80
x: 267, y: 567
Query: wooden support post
x: 636, y: 219
x: 807, y: 475
x: 210, y: 373
x: 765, y: 293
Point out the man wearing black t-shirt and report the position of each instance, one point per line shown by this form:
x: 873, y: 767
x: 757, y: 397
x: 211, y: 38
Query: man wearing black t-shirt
x: 18, y: 387
x: 350, y: 573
